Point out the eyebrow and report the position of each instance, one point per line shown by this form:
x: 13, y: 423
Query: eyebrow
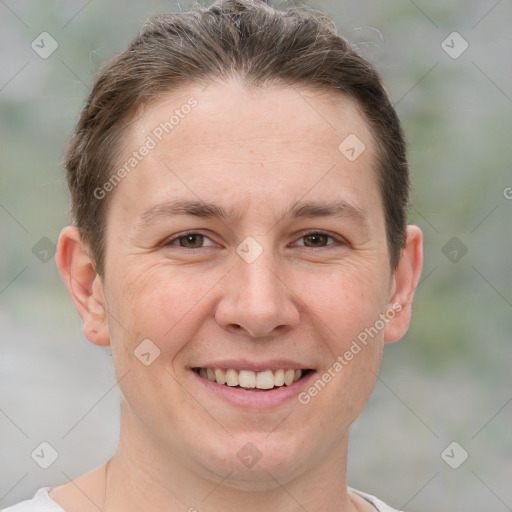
x: 340, y: 209
x: 299, y: 210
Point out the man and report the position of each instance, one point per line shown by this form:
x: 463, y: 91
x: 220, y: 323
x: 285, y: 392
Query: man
x: 239, y: 192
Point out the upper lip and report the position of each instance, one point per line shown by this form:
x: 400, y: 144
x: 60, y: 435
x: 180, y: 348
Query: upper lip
x: 255, y: 366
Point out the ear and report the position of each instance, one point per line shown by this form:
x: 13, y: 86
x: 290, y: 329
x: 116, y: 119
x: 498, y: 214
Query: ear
x: 84, y: 285
x: 405, y: 281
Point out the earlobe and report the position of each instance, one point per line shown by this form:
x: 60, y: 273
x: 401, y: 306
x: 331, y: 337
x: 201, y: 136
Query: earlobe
x: 405, y: 281
x: 84, y: 285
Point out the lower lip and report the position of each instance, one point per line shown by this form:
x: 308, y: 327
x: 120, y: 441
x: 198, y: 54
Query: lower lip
x: 256, y: 399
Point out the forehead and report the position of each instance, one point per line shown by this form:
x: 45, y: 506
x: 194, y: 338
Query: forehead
x: 273, y: 145
x: 231, y: 111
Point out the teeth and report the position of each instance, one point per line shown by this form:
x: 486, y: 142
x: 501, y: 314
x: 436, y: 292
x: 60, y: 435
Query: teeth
x: 248, y: 379
x: 279, y: 378
x: 289, y: 375
x: 220, y: 376
x: 232, y: 378
x: 265, y: 380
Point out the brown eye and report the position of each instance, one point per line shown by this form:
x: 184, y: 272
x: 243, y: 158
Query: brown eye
x: 316, y: 240
x: 189, y: 240
x: 192, y: 241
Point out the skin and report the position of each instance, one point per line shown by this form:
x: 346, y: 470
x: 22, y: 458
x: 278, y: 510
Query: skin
x: 255, y: 153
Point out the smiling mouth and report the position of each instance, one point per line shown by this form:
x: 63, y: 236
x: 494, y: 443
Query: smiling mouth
x: 252, y: 381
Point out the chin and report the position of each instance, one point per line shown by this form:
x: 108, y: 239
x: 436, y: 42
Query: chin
x: 255, y: 461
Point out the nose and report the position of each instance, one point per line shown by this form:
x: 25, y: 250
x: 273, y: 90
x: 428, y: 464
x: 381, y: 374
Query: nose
x: 257, y: 299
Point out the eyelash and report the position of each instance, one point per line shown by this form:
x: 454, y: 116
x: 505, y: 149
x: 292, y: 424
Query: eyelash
x: 169, y: 242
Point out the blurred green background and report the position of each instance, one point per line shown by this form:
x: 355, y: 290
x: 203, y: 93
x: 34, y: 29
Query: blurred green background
x: 448, y: 380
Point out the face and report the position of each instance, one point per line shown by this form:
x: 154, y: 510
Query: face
x: 245, y: 239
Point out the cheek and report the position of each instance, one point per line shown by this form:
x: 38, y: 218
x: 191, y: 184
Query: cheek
x: 347, y: 300
x: 346, y: 311
x: 159, y: 303
x: 151, y: 303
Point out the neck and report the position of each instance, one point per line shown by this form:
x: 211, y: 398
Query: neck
x: 143, y: 476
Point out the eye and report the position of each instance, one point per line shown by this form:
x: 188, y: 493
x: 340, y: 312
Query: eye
x: 196, y: 240
x: 317, y: 239
x: 190, y: 240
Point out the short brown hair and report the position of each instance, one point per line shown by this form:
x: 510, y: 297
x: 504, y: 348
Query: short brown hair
x: 259, y: 45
